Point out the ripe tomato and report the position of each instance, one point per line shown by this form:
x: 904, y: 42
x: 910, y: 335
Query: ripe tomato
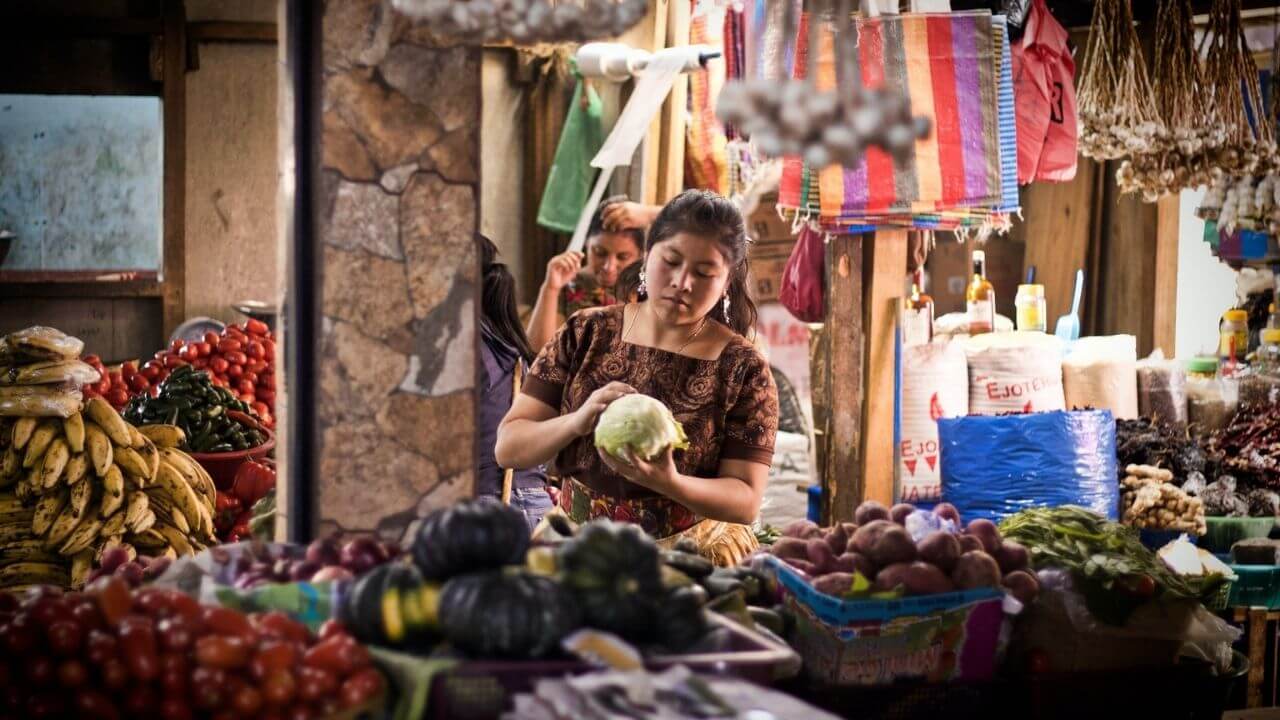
x: 225, y: 621
x: 229, y: 346
x: 236, y: 357
x: 177, y: 344
x: 246, y: 700
x: 245, y: 386
x: 211, y: 337
x: 250, y: 377
x: 139, y: 383
x: 276, y: 624
x: 360, y: 687
x: 117, y: 397
x: 65, y: 637
x: 255, y: 350
x: 279, y: 687
x: 218, y: 365
x: 235, y: 371
x: 72, y: 674
x: 314, y: 683
x: 256, y: 327
x: 128, y: 370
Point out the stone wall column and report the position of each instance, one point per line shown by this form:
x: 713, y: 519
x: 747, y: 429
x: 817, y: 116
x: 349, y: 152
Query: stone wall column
x: 398, y: 213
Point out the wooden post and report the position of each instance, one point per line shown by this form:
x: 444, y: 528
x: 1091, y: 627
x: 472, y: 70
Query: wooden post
x: 884, y: 269
x: 842, y: 480
x: 652, y: 170
x: 671, y: 163
x: 173, y: 302
x: 1165, y: 270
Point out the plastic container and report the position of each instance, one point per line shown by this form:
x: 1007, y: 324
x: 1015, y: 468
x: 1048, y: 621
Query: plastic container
x: 943, y: 637
x: 222, y: 467
x: 1262, y: 387
x: 1031, y: 307
x: 1255, y: 586
x: 1223, y: 532
x: 1211, y: 401
x: 1233, y: 338
x: 1162, y: 391
x: 479, y: 689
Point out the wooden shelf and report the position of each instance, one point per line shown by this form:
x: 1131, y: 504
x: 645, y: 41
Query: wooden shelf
x: 77, y: 276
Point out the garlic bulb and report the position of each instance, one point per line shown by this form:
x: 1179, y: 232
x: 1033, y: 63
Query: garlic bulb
x: 526, y: 21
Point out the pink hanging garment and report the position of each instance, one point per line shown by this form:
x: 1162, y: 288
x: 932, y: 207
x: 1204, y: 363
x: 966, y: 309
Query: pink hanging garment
x: 1045, y: 97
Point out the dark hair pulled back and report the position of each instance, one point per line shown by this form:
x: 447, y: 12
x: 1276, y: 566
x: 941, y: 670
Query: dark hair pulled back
x: 706, y: 214
x: 498, y: 300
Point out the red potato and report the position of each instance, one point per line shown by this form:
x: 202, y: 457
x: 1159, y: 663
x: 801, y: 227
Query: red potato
x: 820, y: 554
x: 790, y: 547
x: 837, y: 539
x: 916, y: 578
x: 1022, y: 585
x: 835, y: 584
x: 987, y: 532
x: 940, y: 548
x: 947, y: 511
x: 853, y: 562
x: 803, y: 566
x: 868, y: 535
x: 976, y: 569
x: 893, y: 546
x: 1012, y: 556
x: 969, y: 543
x: 870, y: 510
x: 898, y: 513
x: 803, y: 529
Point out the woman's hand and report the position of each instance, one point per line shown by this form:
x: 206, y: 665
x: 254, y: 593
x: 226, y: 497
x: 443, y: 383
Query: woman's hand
x: 628, y: 215
x: 561, y: 269
x: 585, y: 417
x: 659, y: 475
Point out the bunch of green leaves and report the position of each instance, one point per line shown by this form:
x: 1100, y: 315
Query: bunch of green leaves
x: 1110, y: 566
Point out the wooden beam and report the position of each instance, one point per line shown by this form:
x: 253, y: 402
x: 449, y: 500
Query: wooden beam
x: 82, y: 27
x: 175, y: 165
x: 120, y: 289
x: 253, y: 32
x: 651, y: 170
x: 1165, y: 272
x: 674, y: 111
x: 842, y: 479
x: 884, y: 269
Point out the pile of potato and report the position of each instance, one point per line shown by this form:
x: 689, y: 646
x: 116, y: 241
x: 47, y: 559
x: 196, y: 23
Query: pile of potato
x: 1149, y: 499
x: 878, y: 546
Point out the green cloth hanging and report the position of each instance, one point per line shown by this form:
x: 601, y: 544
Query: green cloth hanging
x: 569, y: 182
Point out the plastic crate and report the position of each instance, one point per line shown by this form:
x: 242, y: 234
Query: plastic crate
x: 483, y: 689
x: 1223, y: 532
x: 1255, y: 586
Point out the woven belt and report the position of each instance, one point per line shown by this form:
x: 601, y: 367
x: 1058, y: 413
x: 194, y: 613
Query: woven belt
x: 658, y: 515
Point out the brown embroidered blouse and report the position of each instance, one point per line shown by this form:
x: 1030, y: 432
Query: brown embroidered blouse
x: 728, y: 406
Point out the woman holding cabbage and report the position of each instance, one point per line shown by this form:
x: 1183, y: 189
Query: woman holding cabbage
x: 684, y: 344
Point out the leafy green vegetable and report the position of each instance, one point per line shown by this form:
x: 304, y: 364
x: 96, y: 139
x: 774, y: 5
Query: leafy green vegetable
x: 640, y: 423
x: 1111, y: 567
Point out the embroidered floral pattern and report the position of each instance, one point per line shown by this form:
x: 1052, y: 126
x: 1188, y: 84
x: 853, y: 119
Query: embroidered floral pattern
x: 728, y: 407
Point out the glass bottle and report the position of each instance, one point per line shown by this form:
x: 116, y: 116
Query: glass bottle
x: 1031, y: 307
x: 917, y: 313
x: 980, y: 297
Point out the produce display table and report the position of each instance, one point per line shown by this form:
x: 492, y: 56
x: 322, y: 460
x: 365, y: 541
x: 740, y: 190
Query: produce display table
x: 1258, y: 627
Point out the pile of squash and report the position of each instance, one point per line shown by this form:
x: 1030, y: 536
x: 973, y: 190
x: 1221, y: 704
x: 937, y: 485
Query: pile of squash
x: 474, y: 583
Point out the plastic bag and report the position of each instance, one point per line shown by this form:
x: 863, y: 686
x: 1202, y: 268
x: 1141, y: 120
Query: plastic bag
x: 993, y: 467
x: 39, y: 401
x: 1014, y: 372
x: 1162, y: 390
x: 38, y: 343
x: 1044, y: 91
x: 50, y: 371
x: 803, y: 288
x: 935, y: 384
x: 569, y: 181
x: 1100, y: 372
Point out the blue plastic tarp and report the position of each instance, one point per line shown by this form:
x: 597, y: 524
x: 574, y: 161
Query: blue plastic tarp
x: 993, y: 467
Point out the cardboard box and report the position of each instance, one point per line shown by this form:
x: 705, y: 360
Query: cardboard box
x: 766, y: 277
x: 764, y: 225
x: 949, y: 636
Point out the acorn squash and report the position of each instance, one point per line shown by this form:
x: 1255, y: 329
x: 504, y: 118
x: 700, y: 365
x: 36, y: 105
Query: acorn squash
x: 681, y: 621
x: 473, y: 535
x: 391, y: 605
x: 614, y: 572
x: 506, y: 614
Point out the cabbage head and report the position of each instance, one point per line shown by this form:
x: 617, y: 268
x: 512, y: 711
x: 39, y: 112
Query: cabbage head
x: 641, y: 423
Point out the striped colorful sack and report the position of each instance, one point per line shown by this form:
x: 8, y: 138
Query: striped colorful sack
x: 706, y: 157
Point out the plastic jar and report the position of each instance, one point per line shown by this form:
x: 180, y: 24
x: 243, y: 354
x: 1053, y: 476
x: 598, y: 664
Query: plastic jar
x: 1211, y: 400
x: 1263, y: 386
x: 1233, y: 339
x: 1031, y: 308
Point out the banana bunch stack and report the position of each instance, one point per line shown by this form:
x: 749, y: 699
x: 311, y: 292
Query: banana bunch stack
x: 72, y: 488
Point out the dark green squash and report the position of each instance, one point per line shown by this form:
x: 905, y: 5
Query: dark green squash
x: 613, y: 571
x: 473, y: 535
x: 392, y: 606
x: 506, y: 614
x: 681, y: 621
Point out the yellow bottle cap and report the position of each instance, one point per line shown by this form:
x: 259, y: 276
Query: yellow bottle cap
x: 1238, y: 316
x: 1032, y: 290
x: 1271, y: 336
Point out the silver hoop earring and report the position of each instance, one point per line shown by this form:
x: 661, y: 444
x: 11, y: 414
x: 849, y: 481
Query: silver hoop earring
x: 726, y: 308
x: 643, y: 289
